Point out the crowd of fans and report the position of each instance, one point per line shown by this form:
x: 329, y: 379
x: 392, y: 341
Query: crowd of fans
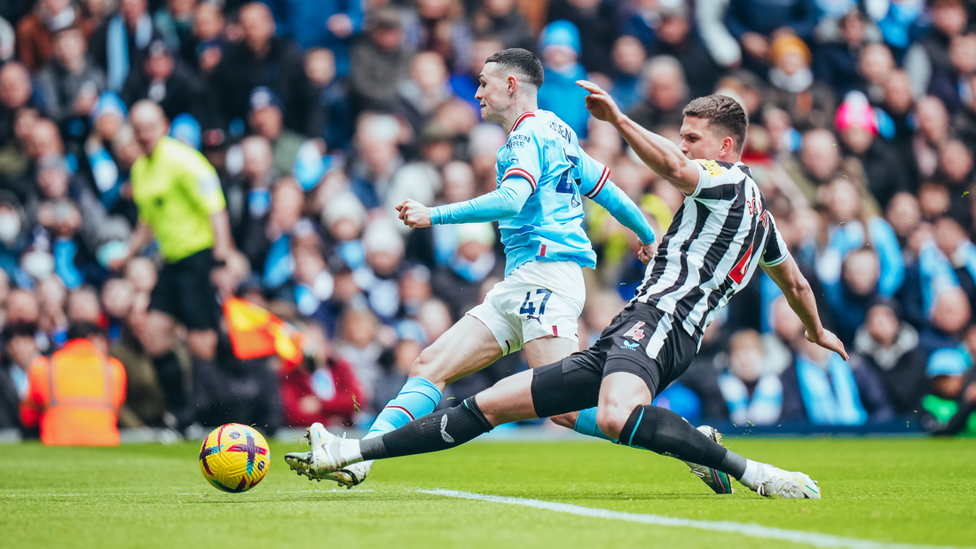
x: 320, y: 116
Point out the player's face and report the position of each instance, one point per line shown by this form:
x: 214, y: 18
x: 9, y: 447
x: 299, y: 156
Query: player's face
x: 493, y: 93
x: 698, y: 140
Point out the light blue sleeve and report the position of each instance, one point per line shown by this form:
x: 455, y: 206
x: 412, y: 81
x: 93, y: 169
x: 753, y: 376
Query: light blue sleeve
x: 889, y: 256
x: 503, y: 202
x: 594, y: 183
x: 623, y: 209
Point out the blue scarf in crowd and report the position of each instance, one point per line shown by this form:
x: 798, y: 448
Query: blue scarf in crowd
x: 830, y: 401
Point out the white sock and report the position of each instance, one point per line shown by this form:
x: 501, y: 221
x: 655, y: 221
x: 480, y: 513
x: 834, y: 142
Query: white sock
x: 349, y: 450
x: 752, y: 471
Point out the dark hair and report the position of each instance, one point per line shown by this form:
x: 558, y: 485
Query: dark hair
x: 522, y: 61
x: 722, y: 112
x: 84, y: 330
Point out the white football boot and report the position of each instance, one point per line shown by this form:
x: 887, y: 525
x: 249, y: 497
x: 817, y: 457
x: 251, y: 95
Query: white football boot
x: 719, y: 482
x: 773, y: 481
x: 324, y: 461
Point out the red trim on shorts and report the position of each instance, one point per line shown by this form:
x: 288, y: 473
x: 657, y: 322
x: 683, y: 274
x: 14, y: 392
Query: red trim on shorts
x: 542, y: 251
x: 555, y: 332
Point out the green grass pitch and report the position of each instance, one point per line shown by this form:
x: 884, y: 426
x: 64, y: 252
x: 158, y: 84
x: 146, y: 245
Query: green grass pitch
x: 911, y: 491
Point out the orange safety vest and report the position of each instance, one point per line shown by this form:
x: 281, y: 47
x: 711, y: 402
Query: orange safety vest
x: 78, y: 392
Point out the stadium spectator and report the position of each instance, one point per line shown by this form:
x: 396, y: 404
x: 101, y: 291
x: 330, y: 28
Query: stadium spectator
x: 756, y: 23
x: 377, y: 159
x: 261, y: 59
x: 629, y: 56
x: 501, y: 20
x: 810, y: 104
x: 948, y: 407
x: 328, y: 24
x: 752, y: 393
x: 266, y: 119
x: 824, y: 390
x: 932, y: 131
x: 886, y: 174
x: 16, y: 92
x: 441, y: 27
x: 121, y: 42
x: 964, y: 122
x: 929, y: 55
x: 75, y: 395
x: 663, y: 94
x: 71, y: 83
x: 888, y: 346
x: 424, y: 91
x: 331, y: 118
x: 560, y: 49
x: 35, y: 32
x: 948, y: 84
x: 323, y: 388
x: 204, y: 50
x: 836, y: 62
x: 676, y: 37
x: 602, y: 26
x: 378, y: 61
x: 175, y: 24
x: 164, y: 79
x: 948, y: 319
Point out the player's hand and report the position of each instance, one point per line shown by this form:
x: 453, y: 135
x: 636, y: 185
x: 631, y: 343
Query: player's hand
x: 414, y: 214
x: 647, y: 251
x: 599, y: 102
x: 829, y: 341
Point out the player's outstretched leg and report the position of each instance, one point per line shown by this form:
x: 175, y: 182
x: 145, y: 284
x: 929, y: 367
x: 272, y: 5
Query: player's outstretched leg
x: 662, y: 431
x: 440, y: 431
x: 718, y: 481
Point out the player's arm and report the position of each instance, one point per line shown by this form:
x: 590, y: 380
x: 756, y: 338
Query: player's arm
x: 658, y: 152
x: 503, y: 202
x: 786, y: 274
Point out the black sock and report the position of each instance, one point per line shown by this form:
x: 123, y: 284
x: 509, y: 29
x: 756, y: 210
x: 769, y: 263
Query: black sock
x: 171, y: 379
x: 665, y: 432
x: 431, y: 433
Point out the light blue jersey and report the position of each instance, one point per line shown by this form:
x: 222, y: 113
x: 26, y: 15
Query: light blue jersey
x: 542, y: 175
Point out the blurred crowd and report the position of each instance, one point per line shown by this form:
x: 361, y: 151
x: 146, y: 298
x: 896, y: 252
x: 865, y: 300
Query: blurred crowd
x: 321, y: 115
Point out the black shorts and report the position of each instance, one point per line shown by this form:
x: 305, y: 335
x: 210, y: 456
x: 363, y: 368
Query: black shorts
x: 641, y: 340
x: 185, y: 292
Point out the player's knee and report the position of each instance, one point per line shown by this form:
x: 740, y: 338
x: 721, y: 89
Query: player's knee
x: 425, y: 366
x: 611, y: 418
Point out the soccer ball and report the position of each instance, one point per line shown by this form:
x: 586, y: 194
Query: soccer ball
x: 234, y: 457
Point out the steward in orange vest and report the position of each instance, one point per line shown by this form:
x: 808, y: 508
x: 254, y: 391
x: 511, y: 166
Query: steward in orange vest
x: 77, y: 393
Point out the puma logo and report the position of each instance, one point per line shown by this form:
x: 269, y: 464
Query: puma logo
x: 447, y: 438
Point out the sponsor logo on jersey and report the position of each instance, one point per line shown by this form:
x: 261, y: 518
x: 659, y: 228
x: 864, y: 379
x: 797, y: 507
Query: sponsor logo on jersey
x: 630, y: 345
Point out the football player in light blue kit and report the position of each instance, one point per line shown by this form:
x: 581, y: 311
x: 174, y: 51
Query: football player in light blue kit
x: 542, y: 176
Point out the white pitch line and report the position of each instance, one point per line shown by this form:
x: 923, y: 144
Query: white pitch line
x: 752, y: 530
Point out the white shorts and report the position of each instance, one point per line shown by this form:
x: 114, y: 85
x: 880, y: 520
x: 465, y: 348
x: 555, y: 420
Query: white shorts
x: 539, y: 299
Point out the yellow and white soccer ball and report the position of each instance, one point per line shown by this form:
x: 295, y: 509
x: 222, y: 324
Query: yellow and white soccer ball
x: 234, y: 457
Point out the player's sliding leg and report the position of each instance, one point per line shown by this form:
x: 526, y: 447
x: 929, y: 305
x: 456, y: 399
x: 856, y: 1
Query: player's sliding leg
x: 465, y: 348
x: 508, y: 400
x: 625, y: 412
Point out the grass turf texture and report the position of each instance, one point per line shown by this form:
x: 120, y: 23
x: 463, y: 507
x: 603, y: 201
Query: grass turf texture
x: 919, y: 491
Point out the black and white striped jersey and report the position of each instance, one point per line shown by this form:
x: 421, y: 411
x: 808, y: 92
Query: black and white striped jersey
x: 718, y: 238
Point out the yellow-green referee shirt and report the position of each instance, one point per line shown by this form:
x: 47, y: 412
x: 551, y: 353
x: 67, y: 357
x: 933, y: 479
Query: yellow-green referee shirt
x: 176, y: 191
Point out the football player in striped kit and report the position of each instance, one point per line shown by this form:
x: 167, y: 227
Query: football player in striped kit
x: 718, y: 239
